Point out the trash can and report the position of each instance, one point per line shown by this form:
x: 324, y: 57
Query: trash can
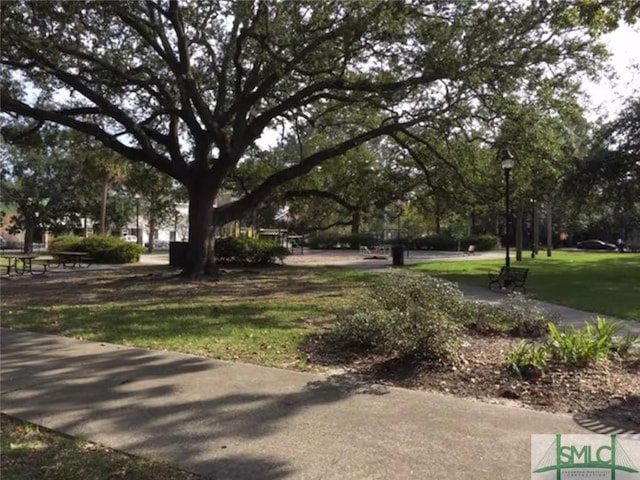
x: 397, y: 255
x: 178, y: 254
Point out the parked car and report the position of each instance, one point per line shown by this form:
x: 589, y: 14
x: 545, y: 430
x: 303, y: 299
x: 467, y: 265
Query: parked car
x: 596, y: 245
x: 130, y: 238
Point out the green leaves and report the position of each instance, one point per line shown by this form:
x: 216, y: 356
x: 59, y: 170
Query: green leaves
x: 189, y: 89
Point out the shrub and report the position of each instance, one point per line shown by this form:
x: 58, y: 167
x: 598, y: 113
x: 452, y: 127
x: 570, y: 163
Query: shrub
x: 481, y: 317
x: 623, y: 344
x: 404, y: 315
x: 357, y: 240
x: 483, y: 243
x: 103, y: 248
x: 65, y: 243
x: 435, y: 242
x: 249, y: 250
x: 323, y: 241
x: 573, y: 347
x: 526, y: 318
x: 125, y: 252
x: 527, y: 360
x: 581, y: 347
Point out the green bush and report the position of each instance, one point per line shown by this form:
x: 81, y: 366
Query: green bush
x: 526, y: 318
x: 357, y: 240
x: 581, y: 347
x: 404, y: 315
x: 125, y: 252
x: 249, y: 250
x: 66, y: 243
x: 102, y: 248
x: 572, y: 347
x: 527, y: 360
x: 483, y: 243
x: 323, y: 241
x: 448, y: 243
x: 623, y: 344
x: 480, y: 316
x: 328, y: 240
x: 435, y: 242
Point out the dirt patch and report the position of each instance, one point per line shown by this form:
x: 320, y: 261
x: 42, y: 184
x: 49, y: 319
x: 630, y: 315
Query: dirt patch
x: 154, y: 283
x: 607, y: 393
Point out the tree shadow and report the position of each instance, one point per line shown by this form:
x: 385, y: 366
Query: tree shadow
x: 201, y: 415
x: 622, y: 416
x: 137, y: 285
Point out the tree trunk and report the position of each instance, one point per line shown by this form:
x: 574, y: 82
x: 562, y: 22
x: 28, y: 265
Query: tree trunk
x: 549, y: 230
x: 519, y: 231
x: 152, y: 231
x: 29, y: 233
x: 535, y: 245
x: 103, y: 208
x: 356, y: 219
x: 200, y: 256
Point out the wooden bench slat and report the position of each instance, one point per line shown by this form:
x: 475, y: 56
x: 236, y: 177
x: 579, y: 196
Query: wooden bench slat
x: 514, y: 277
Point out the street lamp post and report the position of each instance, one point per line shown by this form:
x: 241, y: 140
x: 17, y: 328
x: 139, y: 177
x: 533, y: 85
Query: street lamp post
x: 507, y: 165
x: 137, y: 197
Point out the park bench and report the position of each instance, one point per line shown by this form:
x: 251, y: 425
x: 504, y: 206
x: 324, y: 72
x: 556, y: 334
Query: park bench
x: 379, y: 252
x: 5, y: 266
x: 509, y: 277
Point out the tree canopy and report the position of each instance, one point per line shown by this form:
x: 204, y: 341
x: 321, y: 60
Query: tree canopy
x: 188, y: 87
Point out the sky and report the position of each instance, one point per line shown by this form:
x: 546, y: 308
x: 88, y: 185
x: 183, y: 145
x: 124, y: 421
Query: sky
x: 607, y: 97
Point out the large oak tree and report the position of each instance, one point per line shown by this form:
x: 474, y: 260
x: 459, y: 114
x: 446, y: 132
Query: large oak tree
x: 188, y: 87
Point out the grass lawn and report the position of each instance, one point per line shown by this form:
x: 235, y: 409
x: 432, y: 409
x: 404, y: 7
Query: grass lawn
x: 607, y: 283
x: 30, y: 452
x: 258, y: 316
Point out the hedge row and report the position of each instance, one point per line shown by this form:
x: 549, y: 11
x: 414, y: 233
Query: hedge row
x: 249, y: 250
x: 429, y: 242
x: 102, y: 248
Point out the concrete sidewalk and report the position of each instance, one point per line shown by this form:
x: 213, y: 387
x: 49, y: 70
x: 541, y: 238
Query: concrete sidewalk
x: 236, y: 421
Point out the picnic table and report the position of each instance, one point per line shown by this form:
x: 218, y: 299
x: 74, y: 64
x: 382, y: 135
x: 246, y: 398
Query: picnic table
x: 23, y: 263
x: 71, y: 259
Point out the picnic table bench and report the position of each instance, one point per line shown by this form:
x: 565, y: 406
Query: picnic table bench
x: 22, y: 263
x: 71, y: 259
x: 509, y: 277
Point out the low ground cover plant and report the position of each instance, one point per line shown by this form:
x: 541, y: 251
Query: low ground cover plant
x: 527, y: 360
x: 570, y: 348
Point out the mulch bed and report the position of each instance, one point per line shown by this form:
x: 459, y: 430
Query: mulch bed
x: 606, y: 393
